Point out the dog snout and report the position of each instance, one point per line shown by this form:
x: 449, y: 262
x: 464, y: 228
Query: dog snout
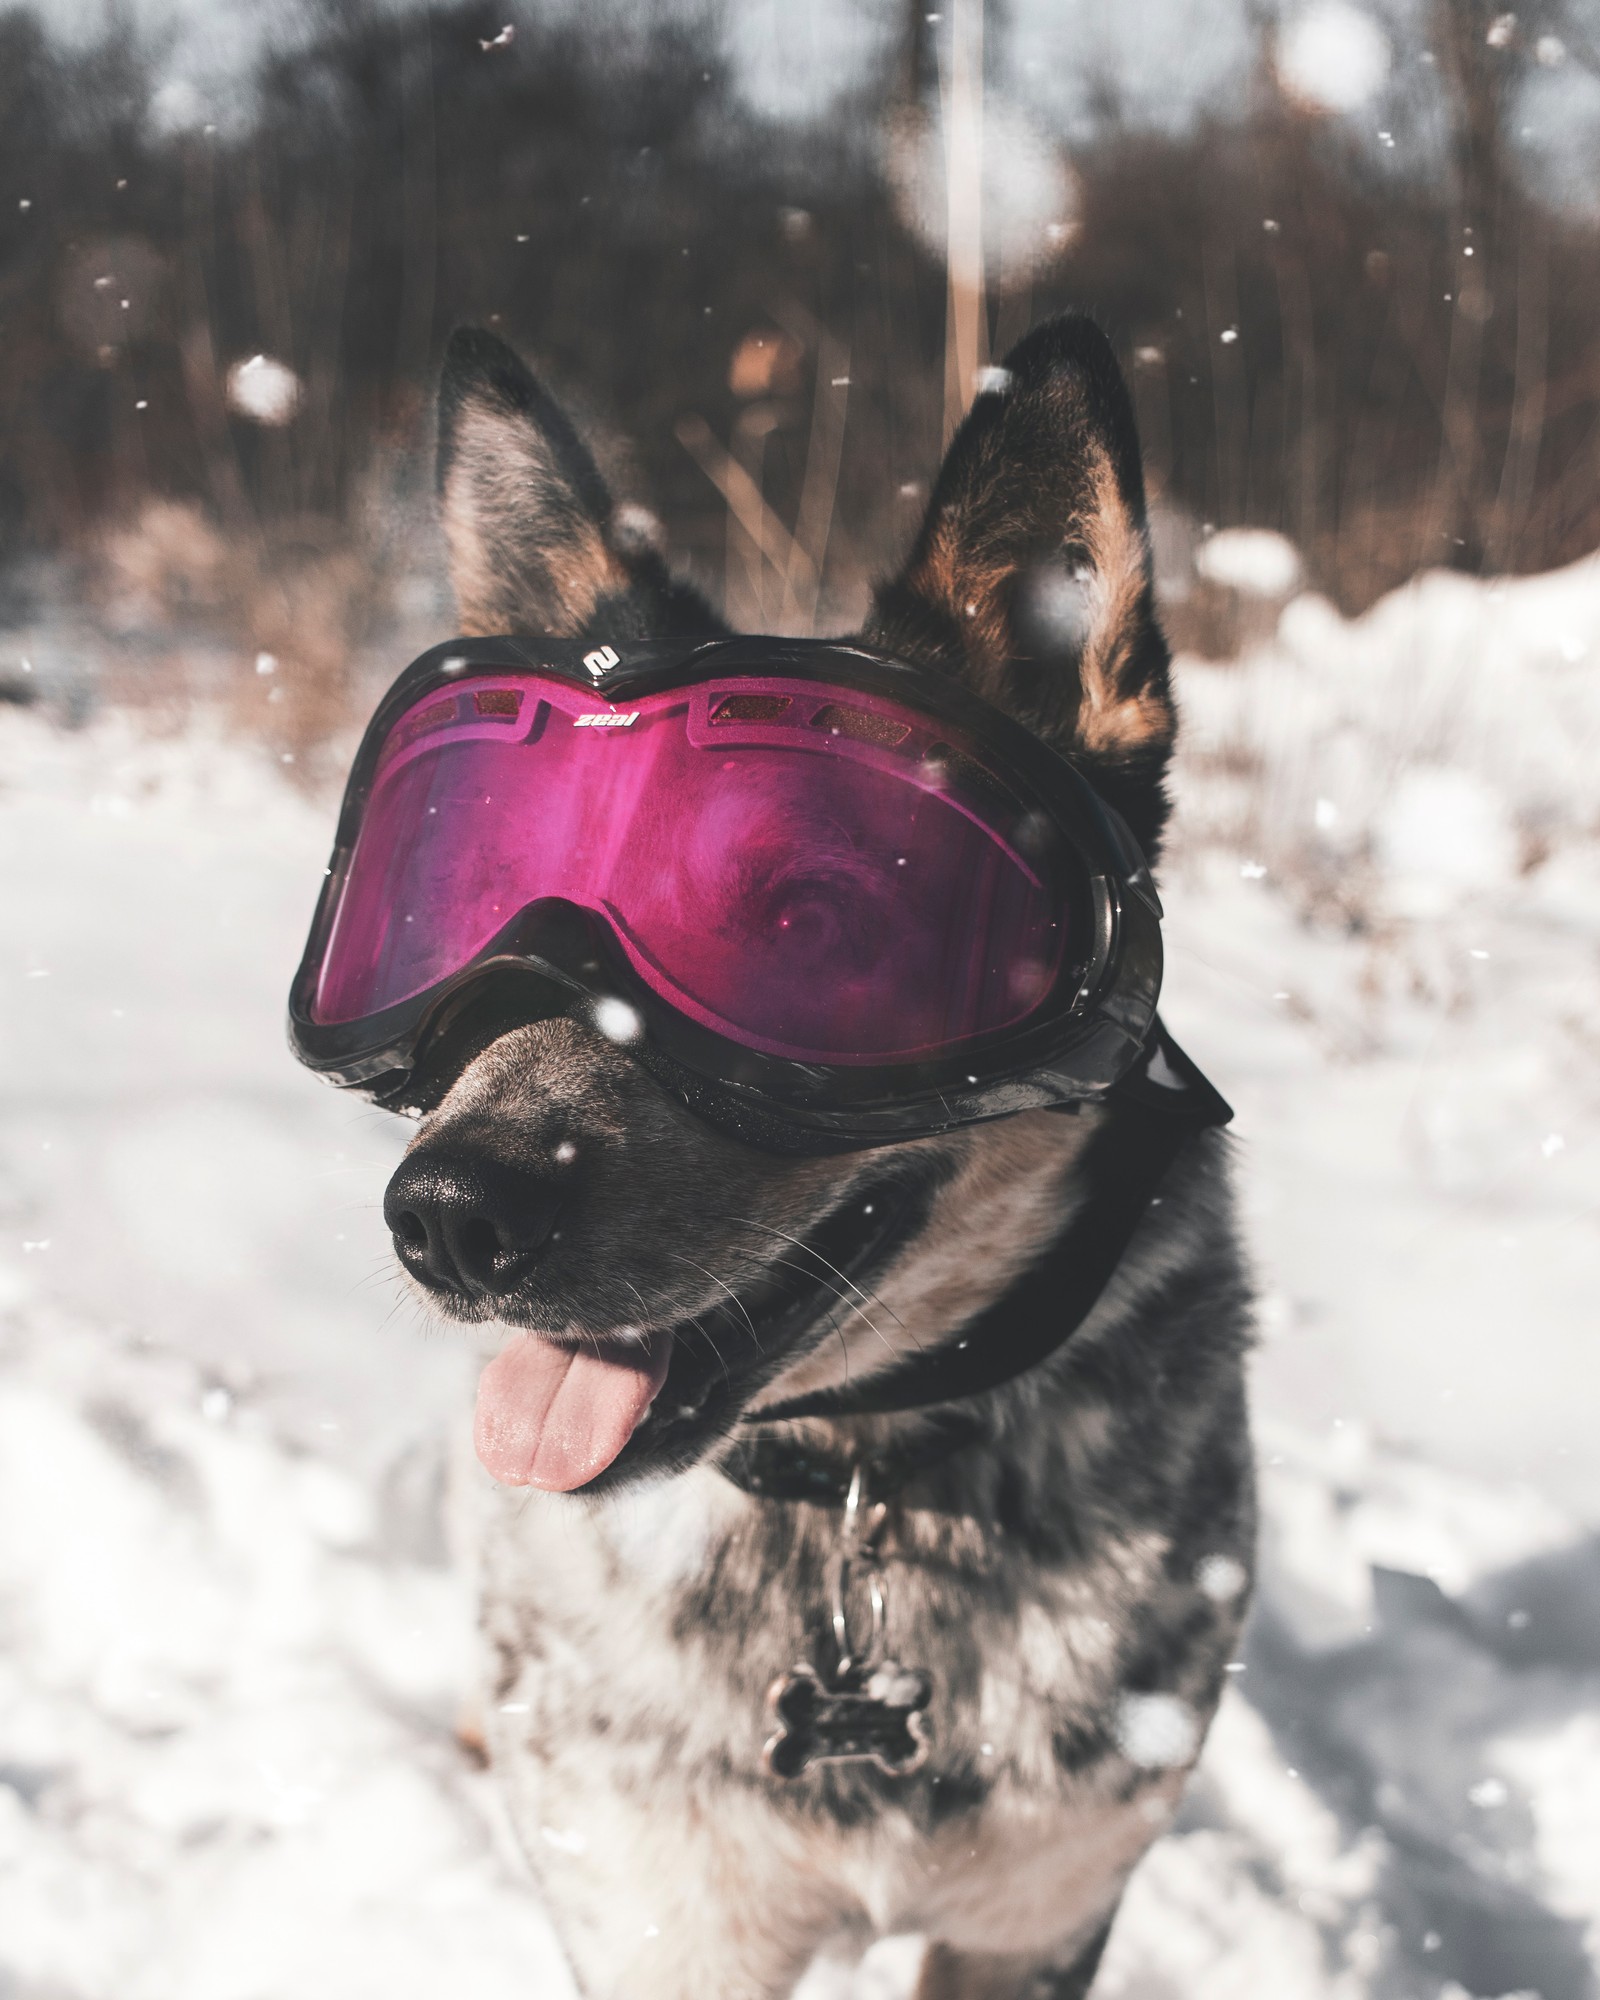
x: 473, y: 1227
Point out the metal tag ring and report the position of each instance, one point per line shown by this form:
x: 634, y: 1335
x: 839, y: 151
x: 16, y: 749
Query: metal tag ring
x: 839, y: 1596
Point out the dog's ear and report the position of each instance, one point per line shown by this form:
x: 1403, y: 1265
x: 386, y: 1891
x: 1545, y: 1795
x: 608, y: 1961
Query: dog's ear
x: 535, y: 543
x: 1031, y: 574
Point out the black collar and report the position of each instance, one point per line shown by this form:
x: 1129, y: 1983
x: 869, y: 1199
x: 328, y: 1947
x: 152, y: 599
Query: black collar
x: 1151, y: 1115
x: 778, y: 1468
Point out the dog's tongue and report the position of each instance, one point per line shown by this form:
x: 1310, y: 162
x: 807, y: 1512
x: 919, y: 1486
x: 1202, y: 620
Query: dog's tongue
x: 557, y: 1416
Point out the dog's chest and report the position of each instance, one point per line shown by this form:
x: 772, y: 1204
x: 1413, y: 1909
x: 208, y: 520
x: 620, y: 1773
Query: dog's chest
x: 632, y: 1649
x: 653, y: 1627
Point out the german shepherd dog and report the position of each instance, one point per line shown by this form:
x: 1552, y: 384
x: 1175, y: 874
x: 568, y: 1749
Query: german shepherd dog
x: 1073, y: 1579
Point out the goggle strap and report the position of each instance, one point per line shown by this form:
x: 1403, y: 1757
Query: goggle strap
x: 1152, y: 1114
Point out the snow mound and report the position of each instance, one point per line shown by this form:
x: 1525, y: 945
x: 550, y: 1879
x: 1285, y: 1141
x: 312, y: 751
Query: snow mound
x: 1383, y: 891
x: 226, y: 1763
x: 1497, y: 680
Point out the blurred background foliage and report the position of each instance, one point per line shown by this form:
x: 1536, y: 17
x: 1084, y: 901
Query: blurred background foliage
x: 1356, y: 305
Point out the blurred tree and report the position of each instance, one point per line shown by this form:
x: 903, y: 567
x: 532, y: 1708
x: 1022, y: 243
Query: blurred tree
x: 1395, y: 366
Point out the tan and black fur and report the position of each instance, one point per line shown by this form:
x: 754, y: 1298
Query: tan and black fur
x: 1053, y: 1576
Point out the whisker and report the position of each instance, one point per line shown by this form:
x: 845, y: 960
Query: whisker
x: 750, y: 1222
x: 716, y: 1351
x: 732, y: 1294
x: 696, y: 1323
x: 788, y: 1264
x: 370, y: 1282
x: 871, y: 1297
x: 648, y: 1318
x: 401, y: 1299
x: 844, y: 1345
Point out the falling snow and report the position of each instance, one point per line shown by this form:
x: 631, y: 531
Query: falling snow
x: 1156, y: 1731
x: 1333, y: 56
x: 264, y: 391
x: 1029, y: 195
x: 617, y: 1021
x: 1253, y: 560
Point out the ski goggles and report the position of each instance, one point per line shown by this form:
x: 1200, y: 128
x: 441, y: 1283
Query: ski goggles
x: 828, y: 898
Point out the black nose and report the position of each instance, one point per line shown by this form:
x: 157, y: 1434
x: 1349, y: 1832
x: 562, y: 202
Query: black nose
x: 470, y: 1226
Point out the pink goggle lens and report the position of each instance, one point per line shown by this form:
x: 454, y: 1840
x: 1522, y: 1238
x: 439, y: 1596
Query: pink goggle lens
x: 813, y: 872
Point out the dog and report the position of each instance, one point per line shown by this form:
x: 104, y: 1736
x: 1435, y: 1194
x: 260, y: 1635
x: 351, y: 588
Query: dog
x: 1060, y: 1588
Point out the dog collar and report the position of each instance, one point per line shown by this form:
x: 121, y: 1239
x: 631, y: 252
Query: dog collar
x: 776, y: 1468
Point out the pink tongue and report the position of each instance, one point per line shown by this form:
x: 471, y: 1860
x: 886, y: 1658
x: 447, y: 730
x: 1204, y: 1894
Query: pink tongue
x: 556, y: 1417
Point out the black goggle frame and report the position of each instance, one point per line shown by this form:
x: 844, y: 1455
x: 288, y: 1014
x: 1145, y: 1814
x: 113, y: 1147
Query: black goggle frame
x: 554, y: 959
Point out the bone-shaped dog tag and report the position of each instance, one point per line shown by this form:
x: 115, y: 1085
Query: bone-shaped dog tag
x: 870, y: 1714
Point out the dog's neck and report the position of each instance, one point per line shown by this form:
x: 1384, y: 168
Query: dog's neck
x: 1119, y: 1158
x: 989, y: 1222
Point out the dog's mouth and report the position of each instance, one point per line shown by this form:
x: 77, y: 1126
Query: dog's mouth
x: 556, y: 1416
x: 569, y: 1417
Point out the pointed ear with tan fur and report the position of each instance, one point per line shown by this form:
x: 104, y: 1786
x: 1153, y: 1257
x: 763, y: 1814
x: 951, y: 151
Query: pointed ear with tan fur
x: 535, y: 543
x: 1031, y: 574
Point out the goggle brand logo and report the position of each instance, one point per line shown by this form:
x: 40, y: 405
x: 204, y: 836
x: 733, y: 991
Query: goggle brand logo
x: 625, y: 721
x: 600, y: 662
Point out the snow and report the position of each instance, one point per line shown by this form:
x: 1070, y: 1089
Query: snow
x: 617, y: 1021
x: 1158, y: 1732
x: 1441, y: 838
x: 266, y: 391
x: 236, y: 1644
x: 178, y: 106
x: 226, y: 1756
x: 1333, y: 56
x: 1026, y: 194
x: 1253, y: 560
x: 1384, y: 908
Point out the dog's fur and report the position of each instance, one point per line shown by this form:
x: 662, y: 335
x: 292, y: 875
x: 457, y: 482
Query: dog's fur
x: 1050, y: 1576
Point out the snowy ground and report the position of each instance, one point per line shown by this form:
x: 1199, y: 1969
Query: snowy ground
x: 232, y: 1645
